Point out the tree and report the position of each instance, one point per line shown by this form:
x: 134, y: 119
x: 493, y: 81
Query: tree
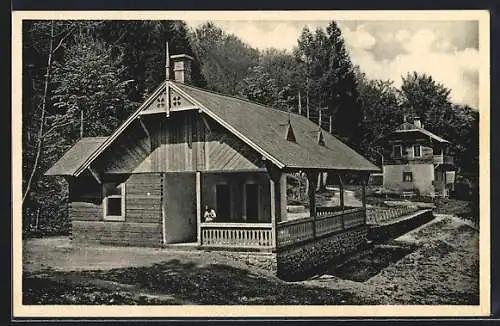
x: 423, y: 96
x: 381, y: 112
x: 331, y: 81
x: 47, y: 39
x: 91, y: 92
x: 142, y: 45
x: 225, y: 60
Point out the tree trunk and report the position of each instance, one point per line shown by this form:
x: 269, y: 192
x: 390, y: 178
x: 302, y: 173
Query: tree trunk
x: 42, y: 116
x: 81, y: 124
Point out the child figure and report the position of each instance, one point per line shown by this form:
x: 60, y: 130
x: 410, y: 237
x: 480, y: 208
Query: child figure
x: 209, y: 214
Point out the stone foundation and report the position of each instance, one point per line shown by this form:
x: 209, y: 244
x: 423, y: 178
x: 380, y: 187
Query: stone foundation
x: 265, y: 261
x: 384, y: 232
x: 302, y: 260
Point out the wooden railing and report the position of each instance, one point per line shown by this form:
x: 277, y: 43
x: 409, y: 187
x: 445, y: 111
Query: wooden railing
x: 384, y: 215
x: 290, y: 232
x: 237, y: 235
x: 328, y: 221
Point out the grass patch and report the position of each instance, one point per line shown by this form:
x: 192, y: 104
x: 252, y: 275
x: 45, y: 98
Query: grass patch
x: 186, y: 282
x: 371, y: 262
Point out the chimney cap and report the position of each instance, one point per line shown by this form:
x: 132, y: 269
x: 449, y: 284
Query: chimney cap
x: 181, y: 56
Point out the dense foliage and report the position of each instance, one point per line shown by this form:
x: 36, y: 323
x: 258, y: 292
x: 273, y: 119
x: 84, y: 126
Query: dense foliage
x: 83, y: 78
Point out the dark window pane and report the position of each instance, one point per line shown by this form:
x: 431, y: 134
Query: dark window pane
x: 252, y: 201
x: 416, y: 150
x: 223, y: 202
x: 114, y: 207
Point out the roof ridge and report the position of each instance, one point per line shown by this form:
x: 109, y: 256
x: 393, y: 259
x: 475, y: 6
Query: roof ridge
x: 236, y: 98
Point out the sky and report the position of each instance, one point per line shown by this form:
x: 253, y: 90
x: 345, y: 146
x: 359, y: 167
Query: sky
x: 447, y: 50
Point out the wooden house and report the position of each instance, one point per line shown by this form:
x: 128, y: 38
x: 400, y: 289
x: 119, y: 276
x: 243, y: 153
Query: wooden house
x: 186, y: 148
x: 418, y: 161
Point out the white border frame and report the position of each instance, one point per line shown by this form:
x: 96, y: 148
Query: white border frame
x: 68, y: 311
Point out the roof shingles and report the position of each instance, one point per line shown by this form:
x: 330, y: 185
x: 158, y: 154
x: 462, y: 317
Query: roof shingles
x: 263, y: 126
x: 75, y: 156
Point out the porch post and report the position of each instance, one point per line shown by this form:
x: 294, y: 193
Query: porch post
x: 275, y: 184
x: 341, y: 190
x: 274, y: 223
x: 312, y: 176
x: 364, y: 179
x: 198, y: 207
x: 282, y: 197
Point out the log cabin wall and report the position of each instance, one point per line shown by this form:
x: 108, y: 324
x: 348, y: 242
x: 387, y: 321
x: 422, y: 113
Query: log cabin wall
x: 143, y: 219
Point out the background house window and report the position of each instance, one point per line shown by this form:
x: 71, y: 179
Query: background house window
x: 114, y: 201
x: 417, y: 151
x: 397, y: 151
x: 407, y: 176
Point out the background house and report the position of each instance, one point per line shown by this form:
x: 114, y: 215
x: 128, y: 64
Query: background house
x: 417, y: 160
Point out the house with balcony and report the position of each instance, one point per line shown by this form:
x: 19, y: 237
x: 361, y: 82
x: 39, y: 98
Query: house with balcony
x: 186, y: 148
x: 417, y: 161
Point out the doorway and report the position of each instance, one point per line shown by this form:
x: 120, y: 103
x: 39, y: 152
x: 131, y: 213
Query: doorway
x: 252, y: 202
x: 223, y: 202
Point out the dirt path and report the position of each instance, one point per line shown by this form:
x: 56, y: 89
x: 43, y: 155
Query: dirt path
x: 438, y: 264
x: 443, y: 269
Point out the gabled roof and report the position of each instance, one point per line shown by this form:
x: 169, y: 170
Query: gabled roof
x: 75, y: 156
x: 259, y: 127
x: 410, y: 127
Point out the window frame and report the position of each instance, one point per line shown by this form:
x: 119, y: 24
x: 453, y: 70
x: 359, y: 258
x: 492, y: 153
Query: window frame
x: 405, y: 173
x: 419, y: 151
x: 400, y: 151
x: 114, y: 218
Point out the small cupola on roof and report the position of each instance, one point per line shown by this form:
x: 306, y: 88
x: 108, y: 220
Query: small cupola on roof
x: 417, y: 122
x: 290, y: 135
x: 182, y: 68
x: 321, y: 138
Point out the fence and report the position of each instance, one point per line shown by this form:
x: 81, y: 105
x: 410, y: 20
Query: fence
x: 375, y: 216
x: 328, y: 221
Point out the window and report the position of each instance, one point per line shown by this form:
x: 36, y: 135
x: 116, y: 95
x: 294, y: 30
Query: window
x: 407, y: 176
x: 223, y: 202
x: 397, y: 151
x: 114, y: 201
x: 417, y: 151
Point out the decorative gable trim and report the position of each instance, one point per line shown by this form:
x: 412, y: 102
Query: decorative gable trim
x: 167, y: 104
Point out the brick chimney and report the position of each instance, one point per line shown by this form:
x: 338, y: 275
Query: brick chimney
x: 182, y: 68
x: 417, y: 122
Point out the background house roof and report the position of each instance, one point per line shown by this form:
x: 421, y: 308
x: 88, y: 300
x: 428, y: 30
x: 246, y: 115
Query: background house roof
x: 409, y: 127
x: 75, y: 156
x: 266, y: 128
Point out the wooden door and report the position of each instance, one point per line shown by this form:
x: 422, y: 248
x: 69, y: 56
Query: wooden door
x: 223, y: 202
x: 252, y: 202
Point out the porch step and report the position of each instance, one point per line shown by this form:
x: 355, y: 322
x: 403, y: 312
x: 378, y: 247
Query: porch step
x: 182, y: 246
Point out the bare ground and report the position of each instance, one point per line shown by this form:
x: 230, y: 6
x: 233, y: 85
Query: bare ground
x: 439, y: 266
